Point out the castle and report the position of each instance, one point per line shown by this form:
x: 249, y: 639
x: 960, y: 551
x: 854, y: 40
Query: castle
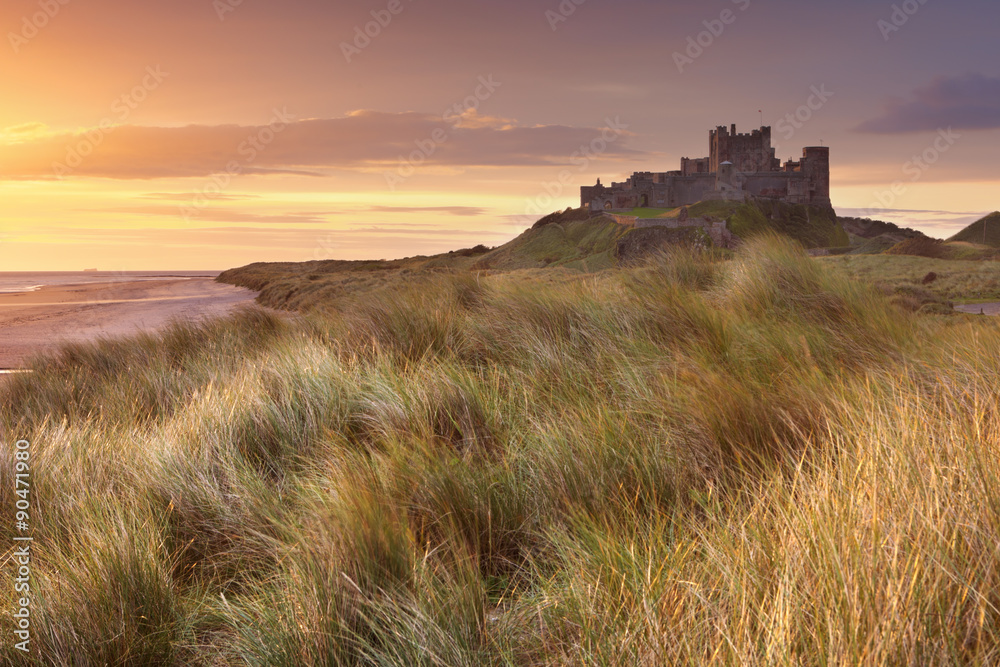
x: 739, y: 167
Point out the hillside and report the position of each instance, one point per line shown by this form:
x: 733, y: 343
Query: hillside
x: 570, y: 240
x: 304, y: 285
x: 974, y: 233
x: 866, y: 228
x: 873, y: 246
x: 811, y: 226
x: 563, y: 240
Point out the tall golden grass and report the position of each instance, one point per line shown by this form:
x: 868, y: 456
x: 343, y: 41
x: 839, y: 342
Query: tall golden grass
x: 745, y: 462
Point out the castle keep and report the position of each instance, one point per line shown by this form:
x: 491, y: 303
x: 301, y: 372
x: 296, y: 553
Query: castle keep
x: 739, y: 167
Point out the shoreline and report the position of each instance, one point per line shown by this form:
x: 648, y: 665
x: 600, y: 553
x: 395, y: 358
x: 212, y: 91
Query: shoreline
x: 109, y: 281
x: 39, y: 321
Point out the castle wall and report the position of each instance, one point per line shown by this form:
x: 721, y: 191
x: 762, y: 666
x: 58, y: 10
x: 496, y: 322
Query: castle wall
x: 791, y: 187
x: 686, y: 190
x: 756, y: 174
x: 692, y: 166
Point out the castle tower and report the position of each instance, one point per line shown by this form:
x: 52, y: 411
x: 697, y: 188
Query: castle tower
x: 816, y: 165
x: 724, y: 177
x: 749, y: 153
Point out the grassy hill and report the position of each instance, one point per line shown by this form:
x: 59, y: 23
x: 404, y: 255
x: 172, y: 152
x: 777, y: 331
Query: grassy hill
x: 866, y: 228
x: 326, y: 283
x: 561, y: 240
x: 875, y: 245
x: 570, y: 240
x: 811, y: 226
x: 974, y: 233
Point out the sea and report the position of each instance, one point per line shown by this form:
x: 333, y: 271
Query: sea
x: 18, y: 281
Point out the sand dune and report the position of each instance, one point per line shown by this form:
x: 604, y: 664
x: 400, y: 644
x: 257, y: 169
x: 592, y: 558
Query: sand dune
x: 32, y: 322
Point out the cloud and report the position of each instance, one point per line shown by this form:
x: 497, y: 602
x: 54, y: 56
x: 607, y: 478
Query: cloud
x: 216, y: 214
x: 188, y: 196
x: 408, y: 231
x: 17, y: 134
x: 361, y: 243
x: 915, y: 210
x: 967, y: 102
x: 465, y: 211
x: 367, y: 141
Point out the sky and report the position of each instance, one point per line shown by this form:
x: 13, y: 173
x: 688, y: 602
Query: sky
x: 206, y: 134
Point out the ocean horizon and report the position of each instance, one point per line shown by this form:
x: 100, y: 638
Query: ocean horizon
x: 12, y: 282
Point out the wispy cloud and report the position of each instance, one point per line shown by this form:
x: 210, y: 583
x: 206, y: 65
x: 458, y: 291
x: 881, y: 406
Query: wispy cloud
x: 186, y: 196
x: 464, y: 211
x: 222, y: 214
x: 915, y: 210
x: 410, y: 231
x: 361, y: 141
x: 967, y: 102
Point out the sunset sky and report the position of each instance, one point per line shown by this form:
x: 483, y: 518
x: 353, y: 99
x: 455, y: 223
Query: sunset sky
x: 197, y: 134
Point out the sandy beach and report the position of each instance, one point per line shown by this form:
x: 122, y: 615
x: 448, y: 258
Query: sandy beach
x: 38, y: 321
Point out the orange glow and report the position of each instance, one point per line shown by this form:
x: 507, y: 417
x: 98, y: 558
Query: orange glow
x: 172, y: 136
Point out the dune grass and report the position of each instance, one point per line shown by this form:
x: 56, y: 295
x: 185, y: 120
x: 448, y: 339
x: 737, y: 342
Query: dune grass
x: 755, y: 461
x: 954, y: 280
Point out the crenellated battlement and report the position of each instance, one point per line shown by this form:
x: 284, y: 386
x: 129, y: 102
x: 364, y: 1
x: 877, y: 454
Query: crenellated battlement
x: 739, y: 166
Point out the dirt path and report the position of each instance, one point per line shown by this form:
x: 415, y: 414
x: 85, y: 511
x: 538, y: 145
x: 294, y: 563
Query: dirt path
x: 32, y: 322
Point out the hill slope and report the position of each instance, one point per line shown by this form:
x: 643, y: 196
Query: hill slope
x: 559, y: 240
x: 570, y: 239
x: 974, y: 232
x: 812, y: 226
x: 866, y: 228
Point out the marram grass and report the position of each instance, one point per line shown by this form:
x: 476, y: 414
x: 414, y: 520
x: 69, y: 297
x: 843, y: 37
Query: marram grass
x: 695, y: 461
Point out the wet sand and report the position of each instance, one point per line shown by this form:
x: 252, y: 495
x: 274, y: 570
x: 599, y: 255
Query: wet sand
x: 32, y: 322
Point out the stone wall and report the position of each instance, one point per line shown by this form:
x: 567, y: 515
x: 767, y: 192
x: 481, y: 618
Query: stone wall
x: 716, y: 229
x: 627, y: 220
